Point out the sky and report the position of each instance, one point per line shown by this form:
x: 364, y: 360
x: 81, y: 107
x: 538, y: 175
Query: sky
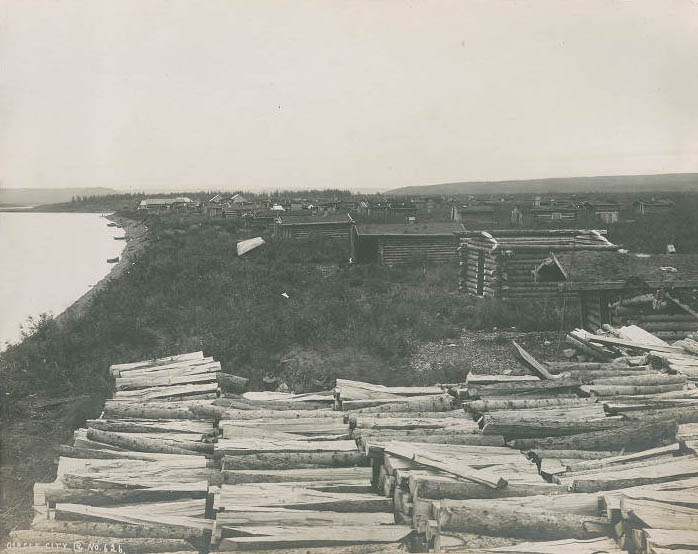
x: 370, y: 94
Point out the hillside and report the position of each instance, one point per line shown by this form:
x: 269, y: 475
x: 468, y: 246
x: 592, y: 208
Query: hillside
x: 35, y: 197
x: 566, y: 185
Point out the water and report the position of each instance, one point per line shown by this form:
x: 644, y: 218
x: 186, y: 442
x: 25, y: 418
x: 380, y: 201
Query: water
x: 49, y: 260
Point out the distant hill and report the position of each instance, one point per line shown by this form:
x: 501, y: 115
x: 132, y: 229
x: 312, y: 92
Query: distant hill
x: 36, y: 197
x: 614, y: 183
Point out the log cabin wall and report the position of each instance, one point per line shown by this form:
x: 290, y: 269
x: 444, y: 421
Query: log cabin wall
x: 299, y: 231
x: 395, y: 250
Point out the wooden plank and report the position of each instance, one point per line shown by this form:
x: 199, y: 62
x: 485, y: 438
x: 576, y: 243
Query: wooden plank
x: 533, y: 363
x: 402, y: 450
x: 286, y: 538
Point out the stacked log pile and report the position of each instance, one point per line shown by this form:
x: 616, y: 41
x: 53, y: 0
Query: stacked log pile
x: 138, y: 478
x: 562, y: 439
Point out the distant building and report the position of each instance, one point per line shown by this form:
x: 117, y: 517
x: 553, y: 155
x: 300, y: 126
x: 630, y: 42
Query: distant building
x: 395, y: 243
x: 469, y: 215
x: 516, y: 216
x: 653, y: 206
x: 554, y: 210
x: 308, y: 226
x: 604, y: 211
x: 164, y: 204
x: 502, y: 262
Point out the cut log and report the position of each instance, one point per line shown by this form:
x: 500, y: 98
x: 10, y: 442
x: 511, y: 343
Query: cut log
x: 521, y: 523
x: 295, y: 460
x: 105, y: 497
x: 522, y: 388
x: 232, y: 383
x: 480, y: 406
x: 141, y: 443
x: 119, y: 410
x: 440, y: 486
x: 525, y: 428
x: 631, y: 437
x: 100, y: 529
x: 683, y: 468
x: 151, y: 426
x: 234, y: 447
x: 670, y: 539
x: 234, y: 477
x: 659, y: 515
x: 235, y: 522
x: 629, y: 390
x: 435, y: 403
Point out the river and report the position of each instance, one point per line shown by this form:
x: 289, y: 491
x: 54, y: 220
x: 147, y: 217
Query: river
x: 49, y: 260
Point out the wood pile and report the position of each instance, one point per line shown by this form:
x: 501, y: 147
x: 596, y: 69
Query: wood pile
x: 578, y: 457
x: 570, y: 440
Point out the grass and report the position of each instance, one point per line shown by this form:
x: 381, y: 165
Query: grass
x: 189, y: 291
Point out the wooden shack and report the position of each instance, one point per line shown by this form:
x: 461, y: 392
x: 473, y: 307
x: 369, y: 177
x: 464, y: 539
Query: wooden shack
x: 658, y: 293
x: 473, y: 215
x: 605, y: 211
x: 653, y: 206
x: 554, y: 210
x: 333, y: 226
x: 502, y: 263
x: 394, y: 244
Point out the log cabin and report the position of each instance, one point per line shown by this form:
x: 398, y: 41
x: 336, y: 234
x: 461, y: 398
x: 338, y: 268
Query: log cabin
x: 473, y: 215
x: 605, y: 211
x: 334, y: 226
x: 502, y: 263
x: 658, y: 293
x: 653, y: 206
x: 394, y: 244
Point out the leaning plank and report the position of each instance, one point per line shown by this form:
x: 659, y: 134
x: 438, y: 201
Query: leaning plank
x: 521, y: 523
x: 674, y: 449
x: 135, y: 545
x: 522, y: 428
x: 132, y: 384
x: 484, y: 477
x: 533, y: 363
x: 630, y: 344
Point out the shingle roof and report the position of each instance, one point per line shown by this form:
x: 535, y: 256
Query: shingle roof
x: 320, y: 218
x: 435, y: 228
x: 615, y: 267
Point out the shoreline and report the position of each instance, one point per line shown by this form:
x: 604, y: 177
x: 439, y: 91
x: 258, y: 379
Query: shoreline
x: 136, y: 240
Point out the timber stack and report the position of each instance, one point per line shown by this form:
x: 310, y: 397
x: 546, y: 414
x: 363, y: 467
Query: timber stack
x: 547, y: 458
x: 576, y: 457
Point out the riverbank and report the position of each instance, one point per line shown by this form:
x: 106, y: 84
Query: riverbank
x: 136, y: 234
